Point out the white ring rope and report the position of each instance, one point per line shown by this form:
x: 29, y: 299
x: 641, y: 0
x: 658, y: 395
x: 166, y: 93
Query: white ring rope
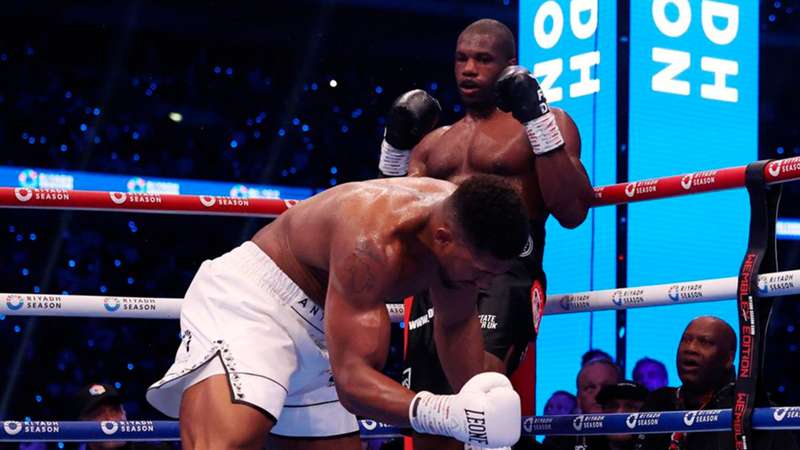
x: 769, y: 285
x: 713, y: 290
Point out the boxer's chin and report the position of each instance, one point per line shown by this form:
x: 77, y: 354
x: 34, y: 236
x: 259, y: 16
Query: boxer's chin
x: 474, y: 98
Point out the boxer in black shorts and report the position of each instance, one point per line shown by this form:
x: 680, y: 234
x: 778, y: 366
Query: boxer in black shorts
x: 506, y: 314
x: 510, y: 131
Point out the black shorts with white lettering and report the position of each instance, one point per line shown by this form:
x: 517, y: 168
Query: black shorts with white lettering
x: 506, y: 316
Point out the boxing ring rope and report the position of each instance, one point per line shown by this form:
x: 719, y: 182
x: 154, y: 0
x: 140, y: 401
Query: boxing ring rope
x: 709, y: 420
x: 778, y: 171
x: 142, y: 202
x: 657, y: 188
x: 769, y: 285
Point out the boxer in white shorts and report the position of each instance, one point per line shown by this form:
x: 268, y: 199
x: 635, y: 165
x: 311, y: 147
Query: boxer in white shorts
x: 269, y: 326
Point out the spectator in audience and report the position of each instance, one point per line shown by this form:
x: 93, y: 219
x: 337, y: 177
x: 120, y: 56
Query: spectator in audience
x: 592, y: 377
x: 594, y: 355
x: 650, y: 373
x: 561, y: 403
x: 705, y: 366
x: 623, y: 397
x: 101, y: 402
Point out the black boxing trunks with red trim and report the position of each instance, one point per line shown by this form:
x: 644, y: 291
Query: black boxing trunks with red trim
x: 506, y: 314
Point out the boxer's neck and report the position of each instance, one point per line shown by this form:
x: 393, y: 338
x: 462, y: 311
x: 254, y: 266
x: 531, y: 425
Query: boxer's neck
x: 481, y: 112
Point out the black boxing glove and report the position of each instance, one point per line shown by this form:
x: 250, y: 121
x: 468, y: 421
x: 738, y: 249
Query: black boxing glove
x: 412, y: 116
x: 519, y: 93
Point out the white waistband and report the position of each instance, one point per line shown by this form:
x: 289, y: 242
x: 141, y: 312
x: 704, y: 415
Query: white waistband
x: 254, y: 263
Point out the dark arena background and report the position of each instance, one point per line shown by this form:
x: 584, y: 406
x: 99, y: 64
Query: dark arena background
x: 251, y: 99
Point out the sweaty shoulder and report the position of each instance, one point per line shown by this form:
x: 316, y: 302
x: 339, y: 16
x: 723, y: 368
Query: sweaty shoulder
x: 370, y: 232
x: 420, y: 187
x: 377, y: 207
x: 359, y: 265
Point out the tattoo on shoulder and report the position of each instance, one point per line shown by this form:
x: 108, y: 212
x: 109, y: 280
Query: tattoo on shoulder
x: 360, y: 268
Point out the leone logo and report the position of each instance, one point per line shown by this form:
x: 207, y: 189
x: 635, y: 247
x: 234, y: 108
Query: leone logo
x: 14, y: 302
x: 12, y: 427
x: 630, y: 189
x: 779, y: 414
x: 616, y: 298
x: 689, y: 417
x: 109, y: 427
x: 23, y: 194
x: 111, y: 304
x: 208, y: 201
x: 290, y: 203
x: 118, y: 197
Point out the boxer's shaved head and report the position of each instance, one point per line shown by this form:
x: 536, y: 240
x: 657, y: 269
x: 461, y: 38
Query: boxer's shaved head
x: 491, y: 215
x: 504, y: 39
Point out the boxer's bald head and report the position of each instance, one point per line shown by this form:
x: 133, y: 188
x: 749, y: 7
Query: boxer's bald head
x: 501, y: 35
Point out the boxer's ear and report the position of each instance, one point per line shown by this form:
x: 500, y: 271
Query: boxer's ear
x: 443, y: 236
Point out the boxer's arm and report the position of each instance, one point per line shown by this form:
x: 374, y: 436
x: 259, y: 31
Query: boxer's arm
x: 555, y: 141
x: 492, y: 363
x: 357, y: 330
x: 563, y: 181
x: 457, y: 334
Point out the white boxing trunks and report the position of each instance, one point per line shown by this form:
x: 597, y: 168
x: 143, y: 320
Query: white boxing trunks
x: 244, y: 318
